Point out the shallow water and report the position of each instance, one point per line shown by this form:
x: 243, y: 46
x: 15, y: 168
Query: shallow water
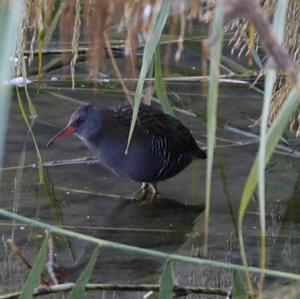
x: 90, y: 199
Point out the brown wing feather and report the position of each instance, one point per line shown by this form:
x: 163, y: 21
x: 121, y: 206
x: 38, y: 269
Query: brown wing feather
x: 153, y: 121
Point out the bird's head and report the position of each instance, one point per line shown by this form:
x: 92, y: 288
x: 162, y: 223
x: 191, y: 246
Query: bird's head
x: 84, y: 123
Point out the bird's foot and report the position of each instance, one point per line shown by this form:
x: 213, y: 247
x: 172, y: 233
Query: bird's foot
x: 147, y: 193
x: 150, y: 193
x: 140, y: 194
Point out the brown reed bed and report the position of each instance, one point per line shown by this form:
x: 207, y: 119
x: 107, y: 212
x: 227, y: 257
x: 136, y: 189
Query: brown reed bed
x: 84, y: 23
x: 242, y: 45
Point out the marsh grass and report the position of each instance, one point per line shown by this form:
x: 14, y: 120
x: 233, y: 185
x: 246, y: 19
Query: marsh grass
x: 166, y: 282
x: 28, y: 125
x: 8, y: 15
x: 212, y: 110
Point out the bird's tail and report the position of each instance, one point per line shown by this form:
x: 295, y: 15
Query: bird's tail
x: 200, y: 154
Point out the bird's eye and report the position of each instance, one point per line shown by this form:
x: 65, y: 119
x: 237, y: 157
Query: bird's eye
x: 80, y: 120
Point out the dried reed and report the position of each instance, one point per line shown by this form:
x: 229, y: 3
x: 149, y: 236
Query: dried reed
x: 241, y: 43
x: 82, y: 23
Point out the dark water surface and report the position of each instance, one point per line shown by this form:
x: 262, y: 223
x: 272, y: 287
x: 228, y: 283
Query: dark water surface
x: 91, y: 200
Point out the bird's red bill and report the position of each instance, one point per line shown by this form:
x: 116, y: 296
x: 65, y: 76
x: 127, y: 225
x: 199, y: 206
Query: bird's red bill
x: 68, y: 131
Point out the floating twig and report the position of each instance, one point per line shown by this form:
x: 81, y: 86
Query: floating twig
x: 18, y: 253
x: 84, y: 160
x: 50, y: 263
x: 180, y: 290
x: 109, y: 228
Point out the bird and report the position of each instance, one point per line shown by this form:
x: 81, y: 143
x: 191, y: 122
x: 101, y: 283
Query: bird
x: 160, y: 148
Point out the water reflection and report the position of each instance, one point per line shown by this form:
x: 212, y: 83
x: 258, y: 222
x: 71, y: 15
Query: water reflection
x: 89, y: 199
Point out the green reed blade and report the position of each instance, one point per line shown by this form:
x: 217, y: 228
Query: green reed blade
x: 38, y: 154
x: 273, y: 136
x: 10, y: 24
x: 144, y: 251
x: 149, y: 50
x: 212, y: 101
x: 79, y: 288
x: 278, y: 27
x: 239, y: 290
x: 35, y: 274
x: 166, y: 282
x: 160, y: 87
x: 31, y: 105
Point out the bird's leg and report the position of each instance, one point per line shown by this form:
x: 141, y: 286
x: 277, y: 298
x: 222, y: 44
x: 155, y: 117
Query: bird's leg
x: 153, y: 190
x: 152, y: 193
x: 144, y: 190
